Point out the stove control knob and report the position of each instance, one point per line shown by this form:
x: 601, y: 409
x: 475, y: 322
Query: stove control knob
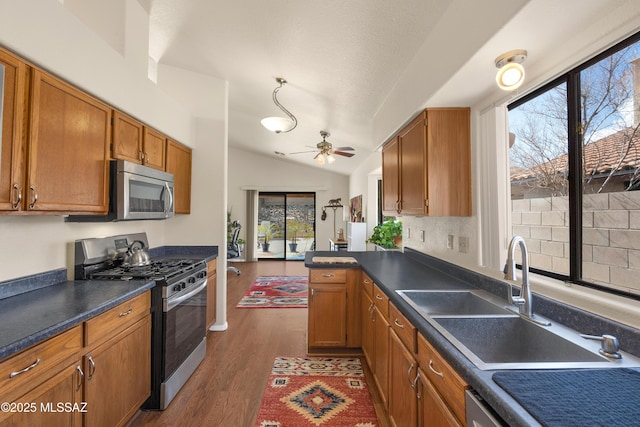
x: 192, y: 280
x: 176, y: 288
x: 184, y: 285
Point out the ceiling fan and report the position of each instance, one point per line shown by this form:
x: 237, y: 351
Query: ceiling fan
x: 326, y: 150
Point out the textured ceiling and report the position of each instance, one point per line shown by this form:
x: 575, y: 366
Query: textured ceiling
x: 345, y: 59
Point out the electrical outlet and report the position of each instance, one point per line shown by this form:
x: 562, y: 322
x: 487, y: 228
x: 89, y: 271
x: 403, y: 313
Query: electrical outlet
x: 408, y: 232
x: 463, y: 244
x: 450, y: 241
x: 422, y: 235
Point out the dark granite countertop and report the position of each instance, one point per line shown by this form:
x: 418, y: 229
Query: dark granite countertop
x: 34, y: 308
x: 34, y: 316
x: 393, y: 270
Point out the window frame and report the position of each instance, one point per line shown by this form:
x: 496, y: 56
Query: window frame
x: 575, y: 144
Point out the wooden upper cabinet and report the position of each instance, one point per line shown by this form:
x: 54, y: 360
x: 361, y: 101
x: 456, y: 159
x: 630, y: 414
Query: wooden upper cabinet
x: 429, y: 163
x: 391, y: 177
x: 154, y: 149
x: 179, y: 164
x: 135, y: 142
x: 12, y: 137
x: 127, y: 138
x: 69, y: 141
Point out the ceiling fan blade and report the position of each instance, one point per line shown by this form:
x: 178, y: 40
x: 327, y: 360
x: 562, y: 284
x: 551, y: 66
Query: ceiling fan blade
x: 301, y: 152
x: 340, y: 153
x: 344, y: 148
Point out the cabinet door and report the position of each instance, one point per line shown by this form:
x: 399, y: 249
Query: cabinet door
x: 68, y: 149
x: 367, y: 307
x: 353, y: 318
x: 381, y: 358
x: 42, y: 402
x: 127, y: 138
x: 12, y: 152
x: 413, y: 164
x: 432, y: 410
x: 327, y: 315
x: 391, y: 177
x: 179, y: 164
x: 449, y: 162
x: 211, y: 292
x: 154, y: 149
x: 118, y: 376
x: 402, y: 382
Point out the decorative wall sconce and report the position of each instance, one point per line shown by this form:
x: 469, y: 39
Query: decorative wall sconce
x: 511, y: 73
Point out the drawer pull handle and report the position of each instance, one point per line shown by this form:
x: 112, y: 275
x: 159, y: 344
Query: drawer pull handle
x: 440, y: 374
x: 126, y: 313
x: 409, y: 375
x: 399, y: 325
x: 80, y: 377
x: 328, y: 275
x: 92, y: 370
x: 366, y: 281
x: 28, y: 368
x: 378, y: 297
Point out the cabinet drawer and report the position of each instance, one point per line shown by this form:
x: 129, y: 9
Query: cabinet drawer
x: 327, y: 275
x: 443, y: 377
x: 29, y: 368
x: 116, y: 319
x: 405, y: 330
x: 381, y: 300
x: 367, y: 284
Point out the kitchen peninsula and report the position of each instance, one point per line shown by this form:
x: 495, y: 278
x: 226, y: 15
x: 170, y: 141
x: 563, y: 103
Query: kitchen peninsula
x: 392, y: 271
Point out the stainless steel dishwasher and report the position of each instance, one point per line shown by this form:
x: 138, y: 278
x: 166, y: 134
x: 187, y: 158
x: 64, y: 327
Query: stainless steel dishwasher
x: 479, y: 414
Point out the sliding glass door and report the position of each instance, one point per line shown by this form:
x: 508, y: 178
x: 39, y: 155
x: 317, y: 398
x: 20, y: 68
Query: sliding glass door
x: 286, y: 225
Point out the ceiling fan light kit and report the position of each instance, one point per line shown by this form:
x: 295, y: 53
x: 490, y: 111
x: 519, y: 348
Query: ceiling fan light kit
x: 325, y: 151
x: 280, y: 124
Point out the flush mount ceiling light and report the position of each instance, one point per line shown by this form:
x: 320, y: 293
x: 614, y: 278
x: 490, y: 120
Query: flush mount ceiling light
x: 511, y: 73
x: 280, y: 124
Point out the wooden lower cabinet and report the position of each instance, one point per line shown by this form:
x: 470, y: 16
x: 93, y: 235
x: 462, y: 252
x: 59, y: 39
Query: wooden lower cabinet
x: 381, y: 359
x: 367, y: 308
x: 56, y: 402
x: 327, y: 320
x: 334, y: 320
x: 403, y: 370
x: 117, y: 380
x: 432, y: 409
x: 211, y: 292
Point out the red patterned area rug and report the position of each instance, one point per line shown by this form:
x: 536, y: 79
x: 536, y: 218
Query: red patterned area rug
x: 316, y: 392
x: 276, y: 292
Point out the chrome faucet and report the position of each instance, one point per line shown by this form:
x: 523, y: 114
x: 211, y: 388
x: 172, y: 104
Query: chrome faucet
x: 523, y: 300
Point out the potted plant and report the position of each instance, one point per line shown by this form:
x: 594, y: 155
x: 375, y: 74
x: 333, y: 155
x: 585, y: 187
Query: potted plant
x: 294, y: 227
x: 266, y: 232
x: 387, y: 235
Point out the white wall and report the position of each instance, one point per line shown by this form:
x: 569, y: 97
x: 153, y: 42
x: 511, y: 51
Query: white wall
x: 47, y: 34
x: 248, y: 170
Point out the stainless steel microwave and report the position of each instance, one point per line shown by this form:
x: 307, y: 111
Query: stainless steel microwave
x: 136, y: 192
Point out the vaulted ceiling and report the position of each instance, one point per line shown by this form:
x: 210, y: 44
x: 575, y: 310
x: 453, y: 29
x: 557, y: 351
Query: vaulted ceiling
x: 357, y: 69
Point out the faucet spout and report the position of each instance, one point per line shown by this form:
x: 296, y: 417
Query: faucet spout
x: 523, y: 299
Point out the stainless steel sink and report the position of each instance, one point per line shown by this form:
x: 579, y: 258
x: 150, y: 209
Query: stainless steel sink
x: 453, y: 303
x: 480, y: 326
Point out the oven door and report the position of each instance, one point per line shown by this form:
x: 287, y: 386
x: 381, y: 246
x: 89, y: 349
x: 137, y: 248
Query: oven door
x: 143, y: 193
x: 184, y: 325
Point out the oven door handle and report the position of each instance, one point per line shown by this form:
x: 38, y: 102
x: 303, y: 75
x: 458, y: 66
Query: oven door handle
x: 172, y: 302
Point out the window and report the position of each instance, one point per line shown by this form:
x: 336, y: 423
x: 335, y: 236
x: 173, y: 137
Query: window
x: 575, y: 165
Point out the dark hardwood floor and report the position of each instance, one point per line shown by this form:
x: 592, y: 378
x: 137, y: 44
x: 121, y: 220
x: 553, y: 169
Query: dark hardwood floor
x: 227, y: 388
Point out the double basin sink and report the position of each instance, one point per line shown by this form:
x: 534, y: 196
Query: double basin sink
x: 491, y: 336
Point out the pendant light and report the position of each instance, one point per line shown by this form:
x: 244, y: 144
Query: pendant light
x: 280, y: 124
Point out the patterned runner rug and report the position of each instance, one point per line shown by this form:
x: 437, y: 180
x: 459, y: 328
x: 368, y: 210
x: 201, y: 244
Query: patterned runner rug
x: 320, y: 392
x: 276, y: 292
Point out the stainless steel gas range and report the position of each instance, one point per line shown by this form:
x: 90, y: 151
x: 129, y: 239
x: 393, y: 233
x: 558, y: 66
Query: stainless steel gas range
x: 178, y: 306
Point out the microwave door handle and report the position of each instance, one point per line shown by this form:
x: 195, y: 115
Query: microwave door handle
x: 167, y: 210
